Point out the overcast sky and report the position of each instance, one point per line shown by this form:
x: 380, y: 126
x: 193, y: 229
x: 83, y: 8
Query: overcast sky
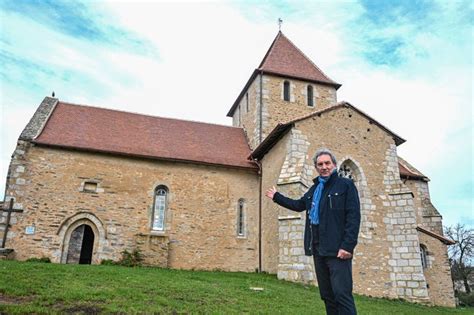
x: 408, y: 64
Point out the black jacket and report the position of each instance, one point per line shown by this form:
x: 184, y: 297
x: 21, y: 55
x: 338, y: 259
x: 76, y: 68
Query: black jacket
x: 339, y: 216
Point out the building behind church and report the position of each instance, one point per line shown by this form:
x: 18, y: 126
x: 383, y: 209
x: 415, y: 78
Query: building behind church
x: 88, y: 183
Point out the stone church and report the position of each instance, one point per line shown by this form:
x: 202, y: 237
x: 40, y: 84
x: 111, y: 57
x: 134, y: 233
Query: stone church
x: 86, y: 183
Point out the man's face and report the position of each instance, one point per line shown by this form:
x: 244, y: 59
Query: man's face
x: 324, y: 165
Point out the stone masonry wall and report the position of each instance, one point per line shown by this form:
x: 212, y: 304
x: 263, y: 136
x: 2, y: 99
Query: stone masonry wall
x: 427, y: 215
x: 271, y: 166
x: 437, y: 271
x: 293, y: 265
x: 279, y: 110
x: 386, y: 261
x: 16, y: 170
x: 275, y: 110
x: 294, y: 180
x: 346, y: 134
x: 406, y: 274
x: 293, y: 169
x: 247, y: 116
x: 201, y: 219
x: 15, y: 183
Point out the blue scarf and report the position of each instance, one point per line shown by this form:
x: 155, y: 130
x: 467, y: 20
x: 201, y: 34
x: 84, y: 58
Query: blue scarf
x: 314, y: 212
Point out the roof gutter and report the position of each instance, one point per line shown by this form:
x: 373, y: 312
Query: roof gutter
x: 260, y: 133
x: 260, y: 190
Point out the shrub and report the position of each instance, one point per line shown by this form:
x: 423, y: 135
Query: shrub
x: 108, y: 262
x: 132, y: 259
x: 466, y: 299
x: 129, y: 259
x: 39, y: 260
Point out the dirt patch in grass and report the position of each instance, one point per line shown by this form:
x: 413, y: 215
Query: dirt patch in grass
x: 14, y: 300
x: 82, y: 309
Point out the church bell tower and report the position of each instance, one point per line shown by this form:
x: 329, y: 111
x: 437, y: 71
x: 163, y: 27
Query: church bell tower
x: 286, y: 85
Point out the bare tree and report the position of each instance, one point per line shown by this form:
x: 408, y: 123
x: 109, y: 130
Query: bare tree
x: 461, y: 254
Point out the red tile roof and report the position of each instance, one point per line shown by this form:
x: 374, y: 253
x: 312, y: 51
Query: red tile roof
x: 407, y: 171
x: 112, y: 131
x: 284, y: 58
x: 442, y: 238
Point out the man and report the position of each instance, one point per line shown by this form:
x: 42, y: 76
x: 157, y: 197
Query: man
x: 332, y: 226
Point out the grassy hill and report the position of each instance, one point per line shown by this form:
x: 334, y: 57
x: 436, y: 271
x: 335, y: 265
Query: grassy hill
x: 85, y: 289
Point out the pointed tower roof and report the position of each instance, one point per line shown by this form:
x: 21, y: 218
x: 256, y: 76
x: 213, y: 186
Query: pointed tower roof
x: 283, y: 58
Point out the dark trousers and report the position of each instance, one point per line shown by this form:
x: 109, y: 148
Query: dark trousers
x: 335, y: 284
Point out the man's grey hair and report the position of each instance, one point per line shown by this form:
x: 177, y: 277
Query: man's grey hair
x: 324, y: 151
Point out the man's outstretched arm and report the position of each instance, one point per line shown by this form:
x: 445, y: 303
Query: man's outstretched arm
x: 292, y: 204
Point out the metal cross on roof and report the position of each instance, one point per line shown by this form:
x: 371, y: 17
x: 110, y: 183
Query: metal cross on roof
x: 280, y: 21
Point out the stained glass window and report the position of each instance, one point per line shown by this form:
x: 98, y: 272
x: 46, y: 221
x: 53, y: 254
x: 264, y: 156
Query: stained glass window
x: 286, y: 91
x: 240, y: 219
x: 160, y: 208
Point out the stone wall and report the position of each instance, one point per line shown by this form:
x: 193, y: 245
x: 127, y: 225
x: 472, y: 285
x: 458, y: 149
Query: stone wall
x: 437, y: 271
x: 345, y: 133
x: 271, y: 166
x: 293, y: 265
x: 427, y: 215
x: 15, y: 183
x: 294, y: 168
x: 387, y: 259
x: 279, y: 110
x: 200, y: 223
x: 275, y: 110
x: 400, y: 222
x: 247, y: 114
x: 294, y: 180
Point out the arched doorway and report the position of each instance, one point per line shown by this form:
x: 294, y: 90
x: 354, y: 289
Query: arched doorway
x: 95, y: 238
x: 81, y: 245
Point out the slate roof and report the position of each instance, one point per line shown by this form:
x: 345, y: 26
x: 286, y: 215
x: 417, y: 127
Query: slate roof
x: 117, y: 132
x: 283, y: 58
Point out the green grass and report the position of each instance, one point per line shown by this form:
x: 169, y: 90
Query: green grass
x: 27, y: 287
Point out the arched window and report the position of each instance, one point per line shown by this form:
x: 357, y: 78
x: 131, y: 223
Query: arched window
x: 423, y: 253
x: 159, y: 208
x: 286, y: 91
x: 309, y: 94
x: 345, y: 170
x: 350, y: 170
x: 241, y: 218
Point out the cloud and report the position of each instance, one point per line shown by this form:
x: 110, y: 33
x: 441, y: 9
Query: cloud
x: 76, y: 19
